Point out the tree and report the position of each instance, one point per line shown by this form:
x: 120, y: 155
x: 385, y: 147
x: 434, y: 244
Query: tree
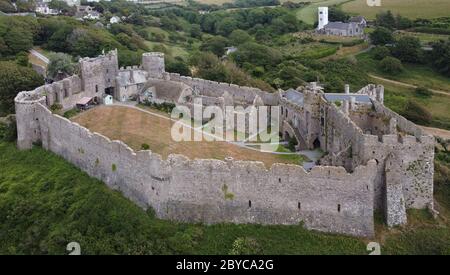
x: 14, y: 79
x: 215, y: 45
x: 18, y: 40
x: 226, y: 26
x: 238, y: 37
x: 380, y: 52
x: 386, y: 19
x: 62, y: 6
x: 60, y: 63
x: 335, y: 15
x: 408, y: 49
x: 196, y: 31
x: 391, y: 65
x: 415, y: 112
x: 382, y: 36
x: 177, y: 65
x: 440, y: 56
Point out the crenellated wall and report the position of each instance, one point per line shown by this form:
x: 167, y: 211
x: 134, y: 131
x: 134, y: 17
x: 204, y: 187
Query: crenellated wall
x: 211, y: 191
x: 241, y: 95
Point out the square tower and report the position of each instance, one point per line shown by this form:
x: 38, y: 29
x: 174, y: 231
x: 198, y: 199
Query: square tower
x: 323, y: 17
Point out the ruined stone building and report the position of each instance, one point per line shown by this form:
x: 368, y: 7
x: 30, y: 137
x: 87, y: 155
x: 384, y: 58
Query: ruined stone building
x: 374, y: 158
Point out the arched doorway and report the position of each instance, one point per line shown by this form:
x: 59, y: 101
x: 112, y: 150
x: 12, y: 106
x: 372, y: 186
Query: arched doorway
x: 316, y: 143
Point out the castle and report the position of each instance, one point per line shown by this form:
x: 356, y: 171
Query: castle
x: 375, y: 159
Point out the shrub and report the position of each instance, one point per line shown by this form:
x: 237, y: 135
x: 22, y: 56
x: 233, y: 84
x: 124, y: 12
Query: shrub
x: 381, y: 52
x: 145, y: 146
x: 423, y: 92
x: 56, y: 107
x: 417, y: 113
x: 8, y: 129
x: 245, y: 246
x: 391, y: 65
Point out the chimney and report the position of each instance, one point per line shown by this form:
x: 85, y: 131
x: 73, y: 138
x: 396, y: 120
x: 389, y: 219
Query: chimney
x: 352, y: 103
x: 347, y: 89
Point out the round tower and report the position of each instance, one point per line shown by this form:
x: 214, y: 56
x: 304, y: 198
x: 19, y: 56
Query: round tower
x: 323, y: 17
x: 153, y: 63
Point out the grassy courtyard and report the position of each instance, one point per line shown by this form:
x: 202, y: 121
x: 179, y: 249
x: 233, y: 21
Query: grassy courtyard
x: 135, y: 127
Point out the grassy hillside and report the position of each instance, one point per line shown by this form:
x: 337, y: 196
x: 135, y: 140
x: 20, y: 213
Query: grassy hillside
x: 409, y: 8
x: 46, y: 203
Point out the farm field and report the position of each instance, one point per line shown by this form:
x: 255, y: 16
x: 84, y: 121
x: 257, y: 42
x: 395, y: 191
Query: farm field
x: 425, y: 38
x: 135, y: 127
x: 409, y: 8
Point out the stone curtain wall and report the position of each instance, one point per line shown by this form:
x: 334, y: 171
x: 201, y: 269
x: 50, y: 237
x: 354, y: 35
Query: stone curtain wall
x: 241, y: 95
x: 211, y: 191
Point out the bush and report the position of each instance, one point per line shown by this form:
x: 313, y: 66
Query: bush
x: 380, y: 52
x: 8, y: 129
x: 417, y: 113
x: 423, y: 92
x: 245, y: 246
x: 56, y: 107
x: 382, y: 36
x: 145, y: 146
x: 391, y: 65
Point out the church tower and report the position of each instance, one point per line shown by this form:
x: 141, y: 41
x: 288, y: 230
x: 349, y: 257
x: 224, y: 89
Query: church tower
x: 323, y: 17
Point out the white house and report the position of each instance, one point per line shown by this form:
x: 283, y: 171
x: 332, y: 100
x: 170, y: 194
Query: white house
x: 43, y: 8
x: 114, y: 20
x: 108, y: 100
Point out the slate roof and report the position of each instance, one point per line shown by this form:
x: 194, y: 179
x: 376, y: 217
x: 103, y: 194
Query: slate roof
x: 337, y: 25
x: 294, y: 96
x: 332, y: 97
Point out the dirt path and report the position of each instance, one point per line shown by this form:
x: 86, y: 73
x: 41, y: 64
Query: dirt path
x: 445, y: 134
x: 406, y: 84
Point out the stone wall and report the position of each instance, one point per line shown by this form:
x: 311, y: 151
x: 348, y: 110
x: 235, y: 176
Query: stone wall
x: 241, y: 95
x: 211, y: 191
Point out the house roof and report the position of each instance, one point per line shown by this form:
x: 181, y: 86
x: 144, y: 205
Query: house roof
x: 83, y: 101
x: 357, y: 19
x: 332, y: 97
x: 337, y: 25
x: 294, y: 96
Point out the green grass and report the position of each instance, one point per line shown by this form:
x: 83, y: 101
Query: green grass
x: 409, y: 8
x: 45, y: 203
x: 308, y: 14
x: 425, y: 38
x: 417, y: 75
x: 396, y: 98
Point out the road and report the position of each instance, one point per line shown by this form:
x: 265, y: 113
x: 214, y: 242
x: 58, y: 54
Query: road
x: 444, y: 134
x: 40, y: 56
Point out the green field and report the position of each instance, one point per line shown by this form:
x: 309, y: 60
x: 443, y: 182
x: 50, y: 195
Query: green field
x: 45, y: 203
x: 425, y: 38
x: 409, y: 8
x: 397, y: 96
x: 413, y: 74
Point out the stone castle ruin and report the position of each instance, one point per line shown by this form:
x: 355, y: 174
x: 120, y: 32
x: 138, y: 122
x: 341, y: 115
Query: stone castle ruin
x: 375, y: 160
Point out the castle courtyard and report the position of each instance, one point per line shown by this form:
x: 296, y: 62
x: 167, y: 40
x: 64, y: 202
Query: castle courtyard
x: 152, y: 127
